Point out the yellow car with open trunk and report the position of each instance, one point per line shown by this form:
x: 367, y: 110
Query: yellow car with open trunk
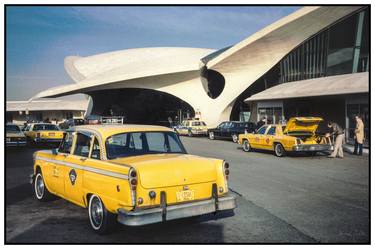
x: 137, y: 173
x: 298, y: 135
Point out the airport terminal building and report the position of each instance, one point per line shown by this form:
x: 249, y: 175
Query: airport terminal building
x: 313, y: 62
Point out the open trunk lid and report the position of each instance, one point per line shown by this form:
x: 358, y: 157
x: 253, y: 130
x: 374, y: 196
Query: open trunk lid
x: 302, y: 125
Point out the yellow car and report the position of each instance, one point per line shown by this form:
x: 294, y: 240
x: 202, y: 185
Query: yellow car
x: 137, y: 173
x: 299, y: 135
x: 191, y: 128
x: 14, y: 136
x: 43, y: 133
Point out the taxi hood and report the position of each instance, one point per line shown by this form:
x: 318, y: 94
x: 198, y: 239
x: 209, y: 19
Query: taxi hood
x: 302, y: 124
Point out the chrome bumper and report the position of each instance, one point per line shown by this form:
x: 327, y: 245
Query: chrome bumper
x: 16, y: 143
x: 198, y: 132
x: 155, y: 215
x: 47, y: 140
x: 313, y: 147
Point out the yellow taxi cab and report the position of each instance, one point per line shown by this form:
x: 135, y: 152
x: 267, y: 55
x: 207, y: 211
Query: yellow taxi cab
x: 191, y: 128
x: 140, y: 174
x: 43, y: 133
x: 299, y: 135
x: 14, y: 136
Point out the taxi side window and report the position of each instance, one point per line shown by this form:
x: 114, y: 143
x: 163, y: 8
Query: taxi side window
x: 95, y: 153
x: 82, y: 145
x: 271, y: 131
x: 66, y: 144
x: 262, y: 130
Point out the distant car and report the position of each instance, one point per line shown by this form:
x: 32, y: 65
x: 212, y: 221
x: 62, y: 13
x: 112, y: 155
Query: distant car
x: 43, y: 133
x: 299, y: 135
x: 191, y: 128
x: 230, y: 130
x: 14, y: 136
x: 71, y: 122
x: 135, y: 174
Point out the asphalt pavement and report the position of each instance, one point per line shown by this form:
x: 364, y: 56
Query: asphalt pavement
x: 295, y: 199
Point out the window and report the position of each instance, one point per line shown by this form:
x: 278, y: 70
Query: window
x: 82, y: 145
x: 66, y: 143
x: 45, y: 127
x: 13, y: 128
x: 262, y: 130
x: 271, y: 130
x: 221, y: 125
x: 141, y: 143
x: 95, y: 153
x: 27, y: 128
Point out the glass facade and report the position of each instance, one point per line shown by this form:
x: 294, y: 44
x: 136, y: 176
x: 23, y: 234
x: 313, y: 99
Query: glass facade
x: 340, y: 49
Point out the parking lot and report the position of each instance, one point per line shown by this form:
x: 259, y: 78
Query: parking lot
x: 295, y: 199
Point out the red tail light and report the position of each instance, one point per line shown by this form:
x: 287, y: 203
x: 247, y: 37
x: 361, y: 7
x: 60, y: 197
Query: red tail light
x: 133, y: 179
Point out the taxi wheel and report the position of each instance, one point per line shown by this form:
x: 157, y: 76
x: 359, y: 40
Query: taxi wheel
x: 279, y: 150
x: 101, y: 220
x: 40, y: 189
x: 234, y: 138
x: 211, y: 135
x: 190, y: 134
x: 246, y: 146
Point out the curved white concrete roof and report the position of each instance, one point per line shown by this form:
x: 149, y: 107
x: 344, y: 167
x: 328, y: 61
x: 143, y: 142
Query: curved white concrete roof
x: 176, y: 70
x: 47, y: 105
x: 125, y: 65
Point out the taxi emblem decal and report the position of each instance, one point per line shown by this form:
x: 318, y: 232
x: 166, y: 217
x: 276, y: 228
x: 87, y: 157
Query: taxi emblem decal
x: 72, y: 176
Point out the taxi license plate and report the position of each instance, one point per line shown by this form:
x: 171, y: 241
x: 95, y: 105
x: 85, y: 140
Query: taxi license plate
x: 186, y: 195
x: 51, y: 134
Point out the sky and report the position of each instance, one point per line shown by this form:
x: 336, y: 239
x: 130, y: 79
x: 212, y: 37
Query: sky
x: 39, y: 38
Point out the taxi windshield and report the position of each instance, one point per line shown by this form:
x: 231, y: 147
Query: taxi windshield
x: 45, y: 127
x: 13, y: 128
x: 142, y: 143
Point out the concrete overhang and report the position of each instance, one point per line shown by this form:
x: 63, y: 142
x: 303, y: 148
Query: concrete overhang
x: 47, y: 105
x: 325, y: 86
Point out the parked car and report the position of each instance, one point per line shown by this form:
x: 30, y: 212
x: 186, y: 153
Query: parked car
x: 230, y: 130
x: 191, y: 128
x: 43, y: 133
x: 137, y: 173
x: 71, y: 122
x: 299, y: 135
x: 14, y: 136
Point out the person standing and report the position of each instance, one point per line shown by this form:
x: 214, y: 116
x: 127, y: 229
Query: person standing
x: 359, y: 136
x: 262, y: 122
x: 339, y: 134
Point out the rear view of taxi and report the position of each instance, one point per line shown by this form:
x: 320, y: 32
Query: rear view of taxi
x: 43, y: 133
x: 134, y: 174
x: 299, y: 135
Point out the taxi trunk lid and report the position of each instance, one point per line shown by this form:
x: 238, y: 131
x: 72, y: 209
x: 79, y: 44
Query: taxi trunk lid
x: 302, y: 125
x: 170, y: 170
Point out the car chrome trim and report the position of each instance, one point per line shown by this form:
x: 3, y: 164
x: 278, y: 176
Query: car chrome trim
x: 86, y: 168
x: 313, y: 147
x: 155, y: 215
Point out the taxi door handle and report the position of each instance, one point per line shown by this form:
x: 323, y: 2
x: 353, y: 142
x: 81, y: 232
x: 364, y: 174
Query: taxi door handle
x: 82, y: 159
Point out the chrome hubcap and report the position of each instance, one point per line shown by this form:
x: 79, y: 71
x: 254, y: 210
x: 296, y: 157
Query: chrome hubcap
x: 96, y: 211
x: 278, y: 149
x: 234, y: 137
x: 39, y: 186
x: 211, y: 135
x: 246, y: 146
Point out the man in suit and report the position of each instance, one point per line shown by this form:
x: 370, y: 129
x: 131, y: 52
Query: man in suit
x: 359, y: 136
x: 339, y: 134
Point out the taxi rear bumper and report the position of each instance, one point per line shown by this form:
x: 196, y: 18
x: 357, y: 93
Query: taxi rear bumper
x: 160, y: 214
x: 312, y: 147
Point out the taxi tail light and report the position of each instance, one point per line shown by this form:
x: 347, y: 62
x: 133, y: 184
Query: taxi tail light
x: 226, y: 170
x: 133, y: 180
x: 298, y: 141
